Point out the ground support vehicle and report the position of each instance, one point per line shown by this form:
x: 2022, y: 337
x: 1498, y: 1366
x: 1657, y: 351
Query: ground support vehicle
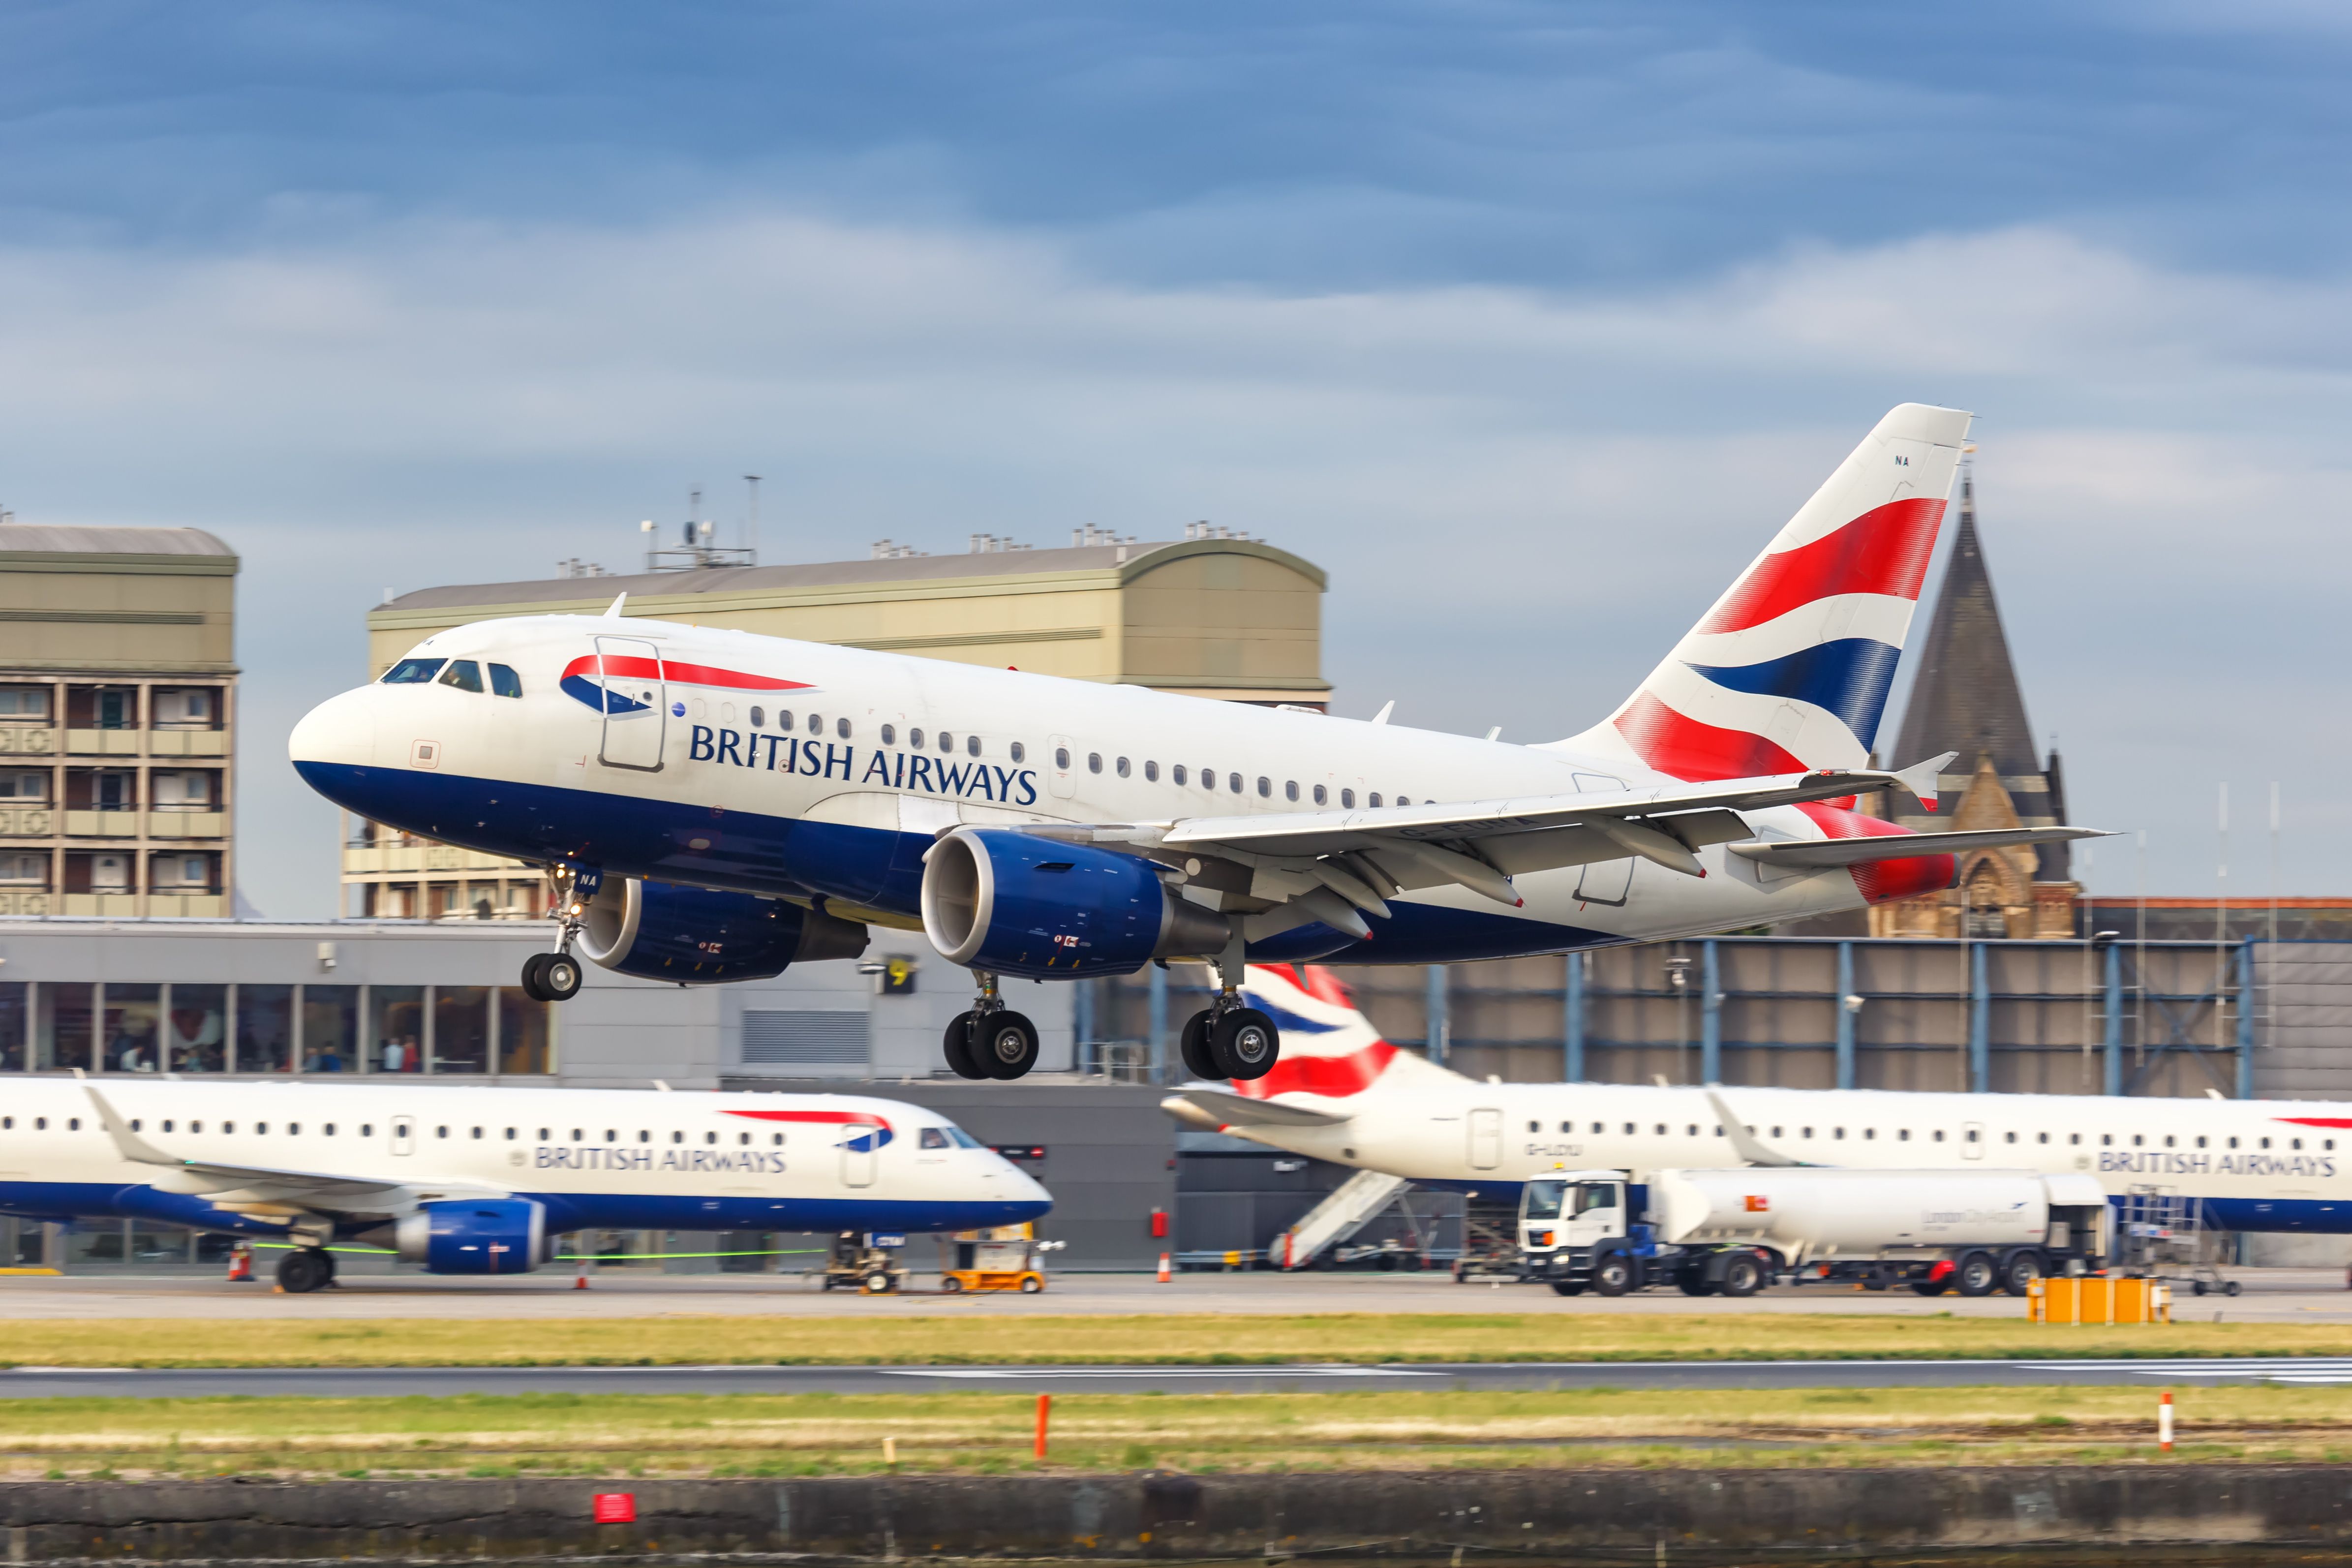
x: 865, y: 1261
x: 1732, y: 1232
x: 1009, y: 1257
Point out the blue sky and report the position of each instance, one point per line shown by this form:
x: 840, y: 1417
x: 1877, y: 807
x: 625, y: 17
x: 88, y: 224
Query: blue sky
x: 1530, y: 322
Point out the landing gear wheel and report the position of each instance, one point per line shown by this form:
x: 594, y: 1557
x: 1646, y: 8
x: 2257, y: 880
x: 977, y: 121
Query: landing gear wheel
x: 1566, y: 1288
x: 2018, y: 1270
x: 550, y: 977
x: 305, y: 1269
x: 1611, y: 1275
x: 1004, y: 1044
x: 1246, y: 1044
x: 1742, y: 1276
x: 1193, y: 1044
x: 1976, y: 1275
x: 957, y: 1043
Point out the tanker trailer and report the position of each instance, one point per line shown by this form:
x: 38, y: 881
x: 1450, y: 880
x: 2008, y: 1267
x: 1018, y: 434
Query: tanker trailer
x: 1730, y: 1231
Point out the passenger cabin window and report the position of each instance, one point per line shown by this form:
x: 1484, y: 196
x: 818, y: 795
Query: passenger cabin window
x: 947, y: 742
x: 915, y: 739
x: 1234, y: 781
x: 1347, y: 799
x: 1373, y: 798
x: 816, y: 724
x: 1176, y: 773
x: 464, y: 674
x: 1150, y: 773
x: 505, y: 682
x: 840, y: 728
x: 1021, y: 754
x: 1121, y: 767
x: 972, y: 745
x: 1094, y: 762
x: 411, y: 672
x: 1265, y: 787
x: 1061, y: 758
x: 1291, y: 790
x: 1322, y: 795
x: 889, y: 732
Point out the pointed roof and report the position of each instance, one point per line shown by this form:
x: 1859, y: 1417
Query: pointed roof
x: 1965, y: 698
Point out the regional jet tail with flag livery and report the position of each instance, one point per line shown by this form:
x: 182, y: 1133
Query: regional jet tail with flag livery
x: 481, y: 1181
x: 1342, y: 1093
x: 713, y: 805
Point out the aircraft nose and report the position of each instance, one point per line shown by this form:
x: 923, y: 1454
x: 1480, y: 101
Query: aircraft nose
x: 338, y: 733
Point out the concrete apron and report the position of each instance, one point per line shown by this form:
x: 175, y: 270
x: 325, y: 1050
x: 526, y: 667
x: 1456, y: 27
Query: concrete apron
x: 2055, y: 1513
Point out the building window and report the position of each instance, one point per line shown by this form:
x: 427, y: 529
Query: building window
x: 461, y: 1029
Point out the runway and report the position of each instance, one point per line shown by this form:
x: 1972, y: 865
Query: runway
x: 367, y: 1383
x: 2271, y: 1295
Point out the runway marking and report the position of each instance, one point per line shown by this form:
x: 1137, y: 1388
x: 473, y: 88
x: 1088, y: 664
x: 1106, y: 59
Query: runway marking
x: 2270, y: 1369
x: 1002, y: 1374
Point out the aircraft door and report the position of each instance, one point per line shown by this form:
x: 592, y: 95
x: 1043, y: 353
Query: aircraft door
x: 1485, y: 1139
x: 403, y: 1135
x: 1061, y: 766
x: 857, y: 1157
x: 637, y: 703
x: 1972, y: 1141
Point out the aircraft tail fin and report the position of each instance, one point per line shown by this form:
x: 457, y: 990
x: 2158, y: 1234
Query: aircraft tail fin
x: 1790, y: 670
x: 1330, y: 1051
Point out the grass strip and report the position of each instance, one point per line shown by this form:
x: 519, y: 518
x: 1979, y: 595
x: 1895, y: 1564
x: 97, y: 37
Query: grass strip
x: 817, y: 1433
x: 1142, y: 1340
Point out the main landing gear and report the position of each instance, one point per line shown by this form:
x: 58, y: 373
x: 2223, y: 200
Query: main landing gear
x: 555, y: 976
x: 304, y: 1269
x: 1227, y: 1039
x: 991, y: 1040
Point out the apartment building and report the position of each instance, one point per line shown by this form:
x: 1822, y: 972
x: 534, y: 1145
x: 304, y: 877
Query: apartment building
x: 118, y: 697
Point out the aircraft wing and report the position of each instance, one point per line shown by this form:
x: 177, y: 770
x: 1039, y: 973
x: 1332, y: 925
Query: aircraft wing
x: 1240, y: 1110
x: 1283, y: 869
x: 261, y: 1188
x: 1813, y: 852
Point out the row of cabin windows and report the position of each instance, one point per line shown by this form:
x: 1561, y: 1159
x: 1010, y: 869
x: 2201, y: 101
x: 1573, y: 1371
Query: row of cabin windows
x: 1903, y: 1135
x: 1234, y: 783
x: 367, y: 1130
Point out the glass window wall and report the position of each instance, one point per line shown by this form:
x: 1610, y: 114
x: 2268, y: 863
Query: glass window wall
x: 15, y: 1025
x: 265, y: 1028
x: 330, y: 1028
x: 64, y: 1026
x: 132, y: 1034
x: 461, y: 1029
x: 524, y: 1026
x: 197, y: 1041
x: 396, y: 1028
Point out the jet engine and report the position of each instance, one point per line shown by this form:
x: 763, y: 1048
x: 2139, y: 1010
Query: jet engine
x: 696, y: 936
x: 487, y: 1236
x: 1017, y: 904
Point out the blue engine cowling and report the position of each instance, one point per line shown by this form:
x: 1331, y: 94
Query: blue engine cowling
x: 484, y: 1236
x: 1017, y: 904
x: 696, y: 936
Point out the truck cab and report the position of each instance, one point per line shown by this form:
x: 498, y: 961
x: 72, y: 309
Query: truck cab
x: 1588, y: 1230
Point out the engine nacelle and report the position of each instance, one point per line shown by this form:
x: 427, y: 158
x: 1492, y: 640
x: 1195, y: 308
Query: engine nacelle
x: 695, y: 936
x: 1017, y: 904
x: 484, y: 1236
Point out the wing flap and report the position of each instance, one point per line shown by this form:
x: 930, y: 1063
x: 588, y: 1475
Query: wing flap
x: 1856, y: 851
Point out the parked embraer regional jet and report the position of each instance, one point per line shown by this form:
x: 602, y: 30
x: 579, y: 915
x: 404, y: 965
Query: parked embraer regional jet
x: 1342, y: 1093
x: 481, y: 1181
x: 713, y: 805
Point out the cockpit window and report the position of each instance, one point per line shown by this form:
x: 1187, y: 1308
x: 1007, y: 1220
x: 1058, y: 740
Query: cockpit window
x: 464, y: 674
x: 963, y: 1140
x: 934, y: 1138
x: 411, y: 672
x: 505, y: 682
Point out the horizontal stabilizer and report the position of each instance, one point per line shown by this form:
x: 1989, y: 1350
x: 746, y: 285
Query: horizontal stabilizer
x: 1234, y: 1111
x: 1900, y: 846
x: 1920, y: 778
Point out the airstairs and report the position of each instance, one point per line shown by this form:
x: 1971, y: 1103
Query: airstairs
x: 1353, y: 1205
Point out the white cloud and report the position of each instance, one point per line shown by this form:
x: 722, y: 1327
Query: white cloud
x: 1522, y: 496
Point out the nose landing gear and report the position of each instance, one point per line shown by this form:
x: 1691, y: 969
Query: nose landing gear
x: 555, y: 976
x: 991, y: 1040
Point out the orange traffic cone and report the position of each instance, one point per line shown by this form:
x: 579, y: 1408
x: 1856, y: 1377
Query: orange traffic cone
x: 1165, y: 1276
x: 240, y: 1264
x: 580, y: 1280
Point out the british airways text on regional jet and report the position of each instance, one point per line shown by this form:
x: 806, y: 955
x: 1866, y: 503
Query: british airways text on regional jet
x: 481, y: 1181
x: 713, y: 805
x: 1342, y: 1093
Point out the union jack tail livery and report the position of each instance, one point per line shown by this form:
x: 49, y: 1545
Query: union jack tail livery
x: 1329, y: 1050
x: 1790, y: 670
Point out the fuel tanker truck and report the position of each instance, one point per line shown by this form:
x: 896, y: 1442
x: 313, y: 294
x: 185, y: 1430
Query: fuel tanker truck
x: 1731, y: 1232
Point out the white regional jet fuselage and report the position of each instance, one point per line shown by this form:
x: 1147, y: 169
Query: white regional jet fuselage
x: 469, y: 1170
x: 685, y: 780
x: 1341, y: 1093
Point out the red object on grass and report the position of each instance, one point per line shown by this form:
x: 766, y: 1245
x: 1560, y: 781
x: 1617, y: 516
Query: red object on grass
x: 616, y: 1508
x: 1044, y: 1412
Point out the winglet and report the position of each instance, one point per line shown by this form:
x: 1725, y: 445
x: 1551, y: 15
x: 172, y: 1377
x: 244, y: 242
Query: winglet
x: 1744, y: 1143
x: 129, y: 1143
x: 613, y: 612
x: 1386, y: 708
x: 1920, y: 778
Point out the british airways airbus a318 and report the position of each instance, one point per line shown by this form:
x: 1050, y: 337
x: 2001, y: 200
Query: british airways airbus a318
x: 713, y: 805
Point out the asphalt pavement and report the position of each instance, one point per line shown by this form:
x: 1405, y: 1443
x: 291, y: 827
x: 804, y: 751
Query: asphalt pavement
x: 364, y: 1382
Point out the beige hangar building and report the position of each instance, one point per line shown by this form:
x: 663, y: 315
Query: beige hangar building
x: 1231, y: 619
